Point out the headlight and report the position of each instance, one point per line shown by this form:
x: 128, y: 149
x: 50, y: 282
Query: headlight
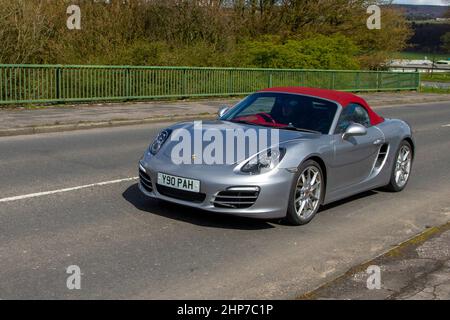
x: 264, y: 161
x: 159, y: 141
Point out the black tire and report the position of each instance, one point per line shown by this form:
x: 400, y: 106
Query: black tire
x: 393, y: 186
x: 292, y: 217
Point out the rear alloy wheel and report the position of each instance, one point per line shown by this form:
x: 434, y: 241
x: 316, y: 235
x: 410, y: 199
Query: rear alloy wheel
x: 306, y: 194
x: 402, y: 168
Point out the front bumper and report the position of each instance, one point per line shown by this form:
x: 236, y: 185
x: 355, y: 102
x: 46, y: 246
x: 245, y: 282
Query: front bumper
x: 274, y: 188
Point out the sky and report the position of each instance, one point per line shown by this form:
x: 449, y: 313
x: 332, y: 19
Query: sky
x: 430, y: 2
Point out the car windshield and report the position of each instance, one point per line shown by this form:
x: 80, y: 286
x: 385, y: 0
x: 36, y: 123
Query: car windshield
x: 284, y: 111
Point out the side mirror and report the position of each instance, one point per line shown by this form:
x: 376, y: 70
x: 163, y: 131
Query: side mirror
x: 223, y: 110
x: 355, y: 129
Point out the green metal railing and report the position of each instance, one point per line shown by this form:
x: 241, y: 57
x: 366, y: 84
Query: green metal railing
x: 66, y: 83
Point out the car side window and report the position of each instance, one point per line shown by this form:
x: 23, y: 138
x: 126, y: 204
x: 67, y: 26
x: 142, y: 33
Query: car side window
x: 353, y: 113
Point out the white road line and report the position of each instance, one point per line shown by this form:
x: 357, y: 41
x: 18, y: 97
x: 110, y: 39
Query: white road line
x: 446, y: 125
x: 46, y: 193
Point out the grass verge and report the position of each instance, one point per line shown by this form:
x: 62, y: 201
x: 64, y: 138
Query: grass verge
x: 434, y: 90
x: 437, y: 77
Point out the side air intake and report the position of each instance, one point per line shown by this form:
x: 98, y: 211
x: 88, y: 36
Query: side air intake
x: 381, y: 155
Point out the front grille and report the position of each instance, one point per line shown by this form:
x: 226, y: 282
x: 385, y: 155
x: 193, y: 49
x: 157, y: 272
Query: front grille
x: 181, y: 194
x: 236, y: 198
x: 146, y: 181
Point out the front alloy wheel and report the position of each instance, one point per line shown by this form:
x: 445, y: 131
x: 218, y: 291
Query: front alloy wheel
x: 306, y: 195
x: 402, y: 167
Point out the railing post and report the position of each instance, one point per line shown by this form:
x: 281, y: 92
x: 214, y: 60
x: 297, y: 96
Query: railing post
x: 1, y: 84
x: 3, y: 98
x: 230, y: 82
x: 418, y: 75
x: 358, y: 81
x: 270, y: 80
x: 128, y: 83
x: 58, y: 75
x: 184, y: 88
x: 378, y: 81
x: 333, y: 74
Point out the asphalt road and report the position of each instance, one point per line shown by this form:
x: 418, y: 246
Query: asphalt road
x: 128, y: 246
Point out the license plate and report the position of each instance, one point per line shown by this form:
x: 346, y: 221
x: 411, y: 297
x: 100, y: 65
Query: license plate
x: 178, y: 182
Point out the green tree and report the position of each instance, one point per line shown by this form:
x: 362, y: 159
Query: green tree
x: 25, y: 29
x: 199, y: 32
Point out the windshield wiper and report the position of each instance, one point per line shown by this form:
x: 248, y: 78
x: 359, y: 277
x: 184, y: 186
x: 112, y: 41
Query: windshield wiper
x: 243, y: 121
x: 299, y: 129
x: 249, y: 122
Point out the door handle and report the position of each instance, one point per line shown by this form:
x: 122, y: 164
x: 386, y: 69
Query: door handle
x: 378, y: 142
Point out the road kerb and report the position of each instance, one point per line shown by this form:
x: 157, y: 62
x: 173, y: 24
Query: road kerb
x: 96, y: 125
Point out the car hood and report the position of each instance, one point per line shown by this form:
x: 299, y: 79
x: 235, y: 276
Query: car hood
x: 219, y: 127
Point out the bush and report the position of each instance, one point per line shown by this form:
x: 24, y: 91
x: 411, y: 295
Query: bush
x: 141, y: 53
x: 320, y: 52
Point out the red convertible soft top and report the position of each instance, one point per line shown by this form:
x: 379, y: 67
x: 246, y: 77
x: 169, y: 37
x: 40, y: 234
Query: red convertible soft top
x: 343, y: 98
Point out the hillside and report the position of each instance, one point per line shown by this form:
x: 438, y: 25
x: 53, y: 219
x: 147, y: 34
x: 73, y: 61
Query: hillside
x: 422, y: 12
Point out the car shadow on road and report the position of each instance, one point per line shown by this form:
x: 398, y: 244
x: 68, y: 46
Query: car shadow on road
x: 190, y: 215
x: 338, y: 203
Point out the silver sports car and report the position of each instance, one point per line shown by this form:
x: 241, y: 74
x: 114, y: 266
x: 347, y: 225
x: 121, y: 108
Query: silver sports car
x: 279, y: 153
